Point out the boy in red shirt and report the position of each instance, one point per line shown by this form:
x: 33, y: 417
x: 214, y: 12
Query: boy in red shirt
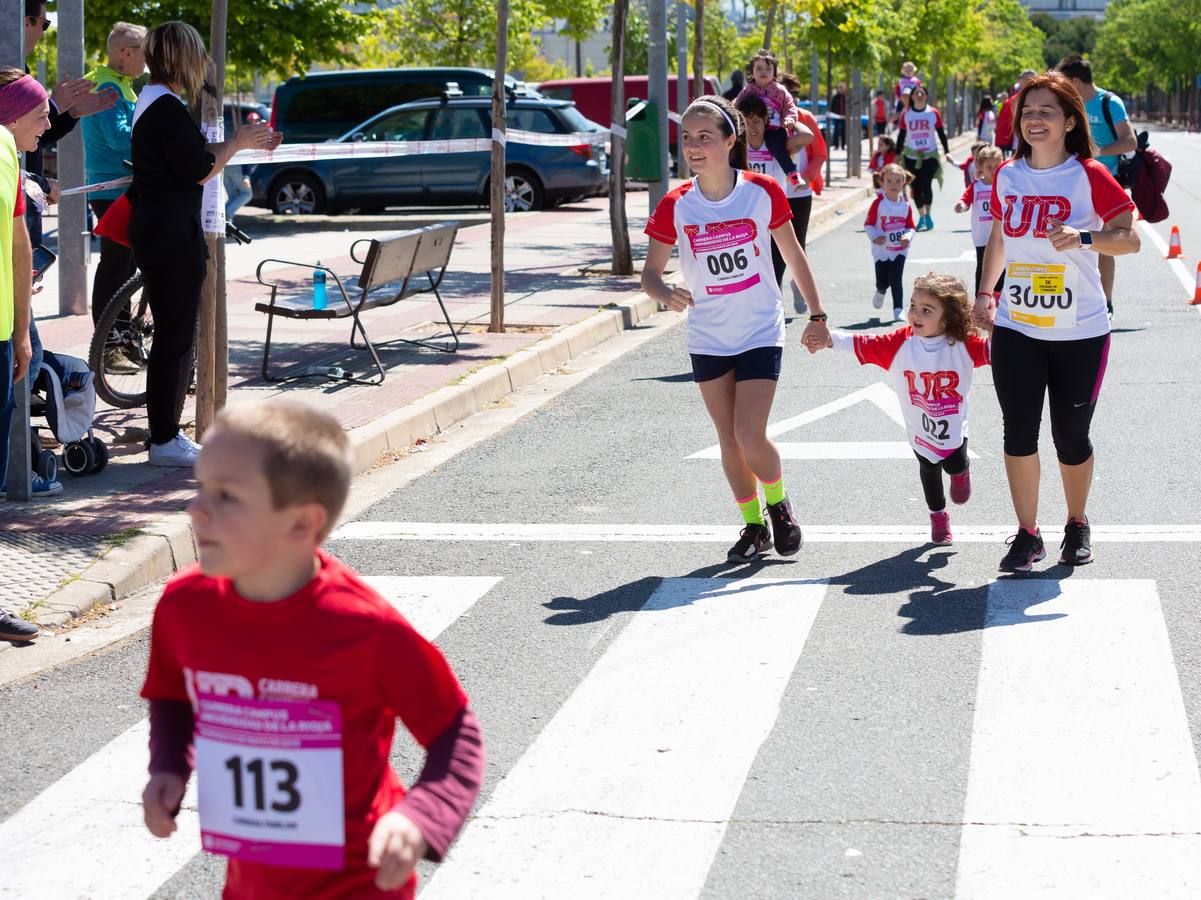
x: 279, y: 675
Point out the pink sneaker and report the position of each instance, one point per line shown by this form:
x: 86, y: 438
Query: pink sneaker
x: 961, y: 486
x: 940, y: 527
x: 794, y: 178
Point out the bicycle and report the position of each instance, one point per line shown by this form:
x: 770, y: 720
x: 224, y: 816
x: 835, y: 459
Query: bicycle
x: 120, y: 348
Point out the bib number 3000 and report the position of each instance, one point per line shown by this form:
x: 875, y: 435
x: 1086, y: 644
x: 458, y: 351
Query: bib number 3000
x: 1041, y: 294
x: 269, y: 778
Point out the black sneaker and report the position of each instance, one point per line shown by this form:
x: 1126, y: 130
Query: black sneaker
x: 785, y: 530
x: 1076, y: 547
x: 752, y: 540
x: 1025, y: 549
x: 13, y: 628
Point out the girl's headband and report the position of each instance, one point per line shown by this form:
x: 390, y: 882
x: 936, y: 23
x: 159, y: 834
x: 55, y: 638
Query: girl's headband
x: 20, y: 97
x: 725, y: 115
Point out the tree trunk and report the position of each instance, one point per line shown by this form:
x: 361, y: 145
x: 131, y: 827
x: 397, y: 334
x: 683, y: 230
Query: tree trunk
x: 698, y: 51
x: 496, y: 322
x: 771, y: 21
x: 829, y: 123
x: 623, y: 263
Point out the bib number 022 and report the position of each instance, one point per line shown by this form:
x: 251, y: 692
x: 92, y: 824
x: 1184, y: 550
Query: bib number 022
x: 939, y: 429
x: 726, y: 263
x: 285, y: 797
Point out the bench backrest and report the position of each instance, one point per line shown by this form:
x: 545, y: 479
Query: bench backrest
x: 397, y: 259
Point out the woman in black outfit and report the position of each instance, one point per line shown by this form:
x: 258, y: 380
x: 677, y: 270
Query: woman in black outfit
x: 171, y: 163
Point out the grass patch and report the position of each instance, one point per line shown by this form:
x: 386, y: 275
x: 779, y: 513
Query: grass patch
x: 29, y: 613
x: 119, y: 539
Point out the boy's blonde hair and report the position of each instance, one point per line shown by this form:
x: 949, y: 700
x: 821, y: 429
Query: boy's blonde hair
x: 956, y: 307
x: 987, y: 152
x: 306, y: 455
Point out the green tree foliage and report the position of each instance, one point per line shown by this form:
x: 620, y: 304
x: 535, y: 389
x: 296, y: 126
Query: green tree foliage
x: 1064, y: 36
x: 1148, y: 42
x: 1009, y: 42
x: 264, y: 35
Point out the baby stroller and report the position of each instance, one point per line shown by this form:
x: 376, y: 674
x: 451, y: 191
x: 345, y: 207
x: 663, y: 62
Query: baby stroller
x: 64, y: 395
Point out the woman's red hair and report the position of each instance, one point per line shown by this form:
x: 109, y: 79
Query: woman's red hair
x: 1078, y: 139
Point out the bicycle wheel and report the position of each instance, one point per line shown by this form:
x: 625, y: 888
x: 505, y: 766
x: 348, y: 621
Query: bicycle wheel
x: 121, y: 346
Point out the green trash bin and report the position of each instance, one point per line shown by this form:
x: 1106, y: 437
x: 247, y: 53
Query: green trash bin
x: 642, y: 142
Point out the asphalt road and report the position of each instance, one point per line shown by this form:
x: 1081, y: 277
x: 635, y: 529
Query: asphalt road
x: 874, y: 717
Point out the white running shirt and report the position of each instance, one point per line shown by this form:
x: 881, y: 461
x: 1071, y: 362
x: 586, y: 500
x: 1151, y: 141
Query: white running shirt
x: 921, y: 129
x: 978, y: 197
x: 932, y: 377
x: 725, y: 256
x: 1052, y: 295
x: 760, y: 160
x: 893, y: 220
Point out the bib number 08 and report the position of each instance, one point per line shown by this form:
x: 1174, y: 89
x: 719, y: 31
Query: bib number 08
x: 285, y: 796
x: 1023, y: 296
x: 726, y: 263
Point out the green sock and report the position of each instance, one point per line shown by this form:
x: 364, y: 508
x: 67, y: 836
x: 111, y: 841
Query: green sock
x: 752, y: 512
x: 774, y: 490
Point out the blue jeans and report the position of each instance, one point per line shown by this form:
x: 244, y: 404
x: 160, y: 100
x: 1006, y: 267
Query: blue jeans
x: 6, y: 405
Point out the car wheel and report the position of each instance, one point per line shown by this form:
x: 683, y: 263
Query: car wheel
x: 297, y: 194
x: 523, y: 191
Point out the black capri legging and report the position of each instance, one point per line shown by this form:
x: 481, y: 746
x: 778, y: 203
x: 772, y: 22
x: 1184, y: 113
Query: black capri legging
x: 931, y: 475
x: 801, y: 207
x: 1026, y: 369
x: 923, y: 178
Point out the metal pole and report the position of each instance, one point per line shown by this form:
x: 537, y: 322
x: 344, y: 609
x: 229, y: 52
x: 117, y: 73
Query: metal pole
x: 20, y: 465
x: 496, y: 321
x: 815, y: 75
x: 656, y: 25
x: 681, y: 82
x: 72, y: 211
x: 855, y: 149
x: 211, y: 342
x: 829, y: 91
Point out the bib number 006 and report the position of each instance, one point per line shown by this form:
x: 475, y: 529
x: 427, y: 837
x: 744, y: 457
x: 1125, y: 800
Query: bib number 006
x: 285, y: 796
x: 719, y: 263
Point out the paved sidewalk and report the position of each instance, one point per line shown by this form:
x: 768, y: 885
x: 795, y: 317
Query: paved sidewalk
x: 109, y: 534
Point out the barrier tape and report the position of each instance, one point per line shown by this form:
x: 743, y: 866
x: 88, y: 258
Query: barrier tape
x: 617, y: 131
x: 499, y: 137
x: 635, y: 109
x: 99, y: 186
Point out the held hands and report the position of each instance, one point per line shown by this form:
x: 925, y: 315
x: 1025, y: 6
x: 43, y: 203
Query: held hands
x: 960, y: 207
x: 160, y: 803
x: 816, y: 336
x: 1063, y: 237
x: 678, y: 300
x: 983, y: 311
x: 395, y: 847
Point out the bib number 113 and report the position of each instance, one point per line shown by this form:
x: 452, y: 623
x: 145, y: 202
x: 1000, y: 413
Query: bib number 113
x: 284, y: 794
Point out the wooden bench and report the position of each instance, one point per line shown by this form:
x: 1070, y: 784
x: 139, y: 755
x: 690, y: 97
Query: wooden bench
x: 415, y: 260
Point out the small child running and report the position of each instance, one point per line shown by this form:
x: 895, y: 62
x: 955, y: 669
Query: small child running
x: 886, y: 152
x: 890, y: 228
x: 763, y: 72
x: 279, y: 676
x: 977, y: 198
x: 930, y: 365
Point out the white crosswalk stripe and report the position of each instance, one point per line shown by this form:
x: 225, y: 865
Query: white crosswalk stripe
x: 1082, y: 776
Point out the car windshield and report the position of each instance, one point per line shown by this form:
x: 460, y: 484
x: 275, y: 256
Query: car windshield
x: 399, y: 126
x: 576, y: 120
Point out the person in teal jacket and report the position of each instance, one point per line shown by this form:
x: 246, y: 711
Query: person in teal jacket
x: 106, y: 147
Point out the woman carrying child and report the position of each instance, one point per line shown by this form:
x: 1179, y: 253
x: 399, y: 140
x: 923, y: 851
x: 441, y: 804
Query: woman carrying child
x: 726, y: 218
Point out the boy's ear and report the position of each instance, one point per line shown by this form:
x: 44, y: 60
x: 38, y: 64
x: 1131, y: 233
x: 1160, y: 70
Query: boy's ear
x: 309, y: 522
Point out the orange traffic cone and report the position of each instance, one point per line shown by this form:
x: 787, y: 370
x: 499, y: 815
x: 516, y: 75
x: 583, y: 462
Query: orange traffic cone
x: 1174, y: 251
x: 1196, y: 301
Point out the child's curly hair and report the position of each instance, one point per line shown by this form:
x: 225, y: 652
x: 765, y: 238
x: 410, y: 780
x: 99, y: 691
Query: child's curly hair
x: 767, y: 56
x: 956, y: 307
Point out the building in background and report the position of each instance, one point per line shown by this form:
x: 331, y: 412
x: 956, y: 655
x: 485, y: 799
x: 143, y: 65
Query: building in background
x: 1067, y: 9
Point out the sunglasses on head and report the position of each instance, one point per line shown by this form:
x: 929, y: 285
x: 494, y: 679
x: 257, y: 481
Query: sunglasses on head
x: 45, y: 23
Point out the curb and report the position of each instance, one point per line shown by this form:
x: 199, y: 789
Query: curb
x: 165, y: 547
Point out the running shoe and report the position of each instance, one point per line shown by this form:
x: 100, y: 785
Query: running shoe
x: 878, y: 300
x: 940, y: 527
x: 1025, y: 549
x: 752, y: 540
x: 898, y: 314
x: 1076, y: 546
x: 794, y: 178
x: 117, y: 361
x: 14, y: 628
x: 179, y: 451
x: 40, y: 487
x: 961, y: 487
x: 929, y: 222
x: 785, y: 531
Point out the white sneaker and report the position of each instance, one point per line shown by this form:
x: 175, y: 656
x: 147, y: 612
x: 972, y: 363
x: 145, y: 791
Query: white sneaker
x: 179, y: 451
x: 898, y: 315
x: 878, y: 299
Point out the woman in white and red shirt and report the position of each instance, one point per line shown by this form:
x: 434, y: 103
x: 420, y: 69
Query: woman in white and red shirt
x: 917, y: 143
x: 725, y: 220
x: 1054, y: 208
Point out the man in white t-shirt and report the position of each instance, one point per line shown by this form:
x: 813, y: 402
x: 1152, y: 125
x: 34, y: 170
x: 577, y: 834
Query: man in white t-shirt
x: 1113, y: 134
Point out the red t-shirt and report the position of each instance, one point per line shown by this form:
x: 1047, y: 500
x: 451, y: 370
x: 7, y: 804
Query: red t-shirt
x: 335, y: 639
x: 19, y: 209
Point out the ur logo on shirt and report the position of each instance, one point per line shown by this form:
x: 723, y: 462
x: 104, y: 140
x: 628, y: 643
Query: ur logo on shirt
x: 1050, y: 207
x: 937, y: 394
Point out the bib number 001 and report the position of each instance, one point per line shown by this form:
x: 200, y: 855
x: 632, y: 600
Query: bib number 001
x: 284, y: 787
x: 719, y: 263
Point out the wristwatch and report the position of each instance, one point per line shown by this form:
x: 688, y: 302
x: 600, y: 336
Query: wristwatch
x: 1086, y: 238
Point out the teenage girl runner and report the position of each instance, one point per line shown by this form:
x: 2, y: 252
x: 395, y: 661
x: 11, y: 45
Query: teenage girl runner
x: 725, y: 219
x: 1054, y: 209
x: 920, y: 125
x: 930, y: 365
x: 889, y: 226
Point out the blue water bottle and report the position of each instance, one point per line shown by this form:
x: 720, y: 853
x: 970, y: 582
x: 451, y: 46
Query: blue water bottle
x: 318, y: 287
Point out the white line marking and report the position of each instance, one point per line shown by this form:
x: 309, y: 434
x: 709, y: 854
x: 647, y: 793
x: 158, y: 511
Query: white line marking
x: 1187, y: 279
x: 83, y: 836
x: 628, y: 790
x: 723, y: 534
x: 1083, y: 780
